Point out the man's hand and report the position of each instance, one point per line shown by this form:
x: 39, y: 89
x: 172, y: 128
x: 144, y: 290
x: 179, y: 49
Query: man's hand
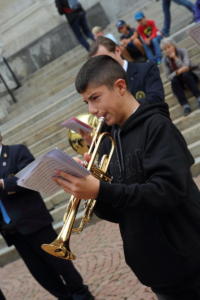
x: 147, y: 41
x: 82, y: 188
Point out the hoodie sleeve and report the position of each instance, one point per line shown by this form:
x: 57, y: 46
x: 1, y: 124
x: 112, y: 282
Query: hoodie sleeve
x: 166, y: 164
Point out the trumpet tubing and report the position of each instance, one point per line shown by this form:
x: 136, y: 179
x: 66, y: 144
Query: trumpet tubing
x: 60, y: 247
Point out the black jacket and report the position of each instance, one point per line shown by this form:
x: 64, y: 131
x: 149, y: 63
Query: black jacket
x: 25, y: 207
x: 153, y: 198
x: 144, y: 82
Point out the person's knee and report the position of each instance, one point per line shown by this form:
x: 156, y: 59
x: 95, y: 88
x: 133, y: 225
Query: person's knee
x: 186, y: 75
x: 174, y: 82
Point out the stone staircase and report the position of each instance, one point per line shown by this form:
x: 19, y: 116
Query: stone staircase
x: 48, y: 97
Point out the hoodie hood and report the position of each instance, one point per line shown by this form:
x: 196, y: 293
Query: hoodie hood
x: 144, y: 112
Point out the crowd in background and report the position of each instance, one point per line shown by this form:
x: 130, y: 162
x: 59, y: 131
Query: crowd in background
x: 147, y: 42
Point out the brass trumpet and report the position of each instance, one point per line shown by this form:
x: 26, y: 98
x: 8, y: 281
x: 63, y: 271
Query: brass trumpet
x: 60, y: 247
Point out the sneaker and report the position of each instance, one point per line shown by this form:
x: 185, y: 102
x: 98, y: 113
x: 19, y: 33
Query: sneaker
x: 186, y: 110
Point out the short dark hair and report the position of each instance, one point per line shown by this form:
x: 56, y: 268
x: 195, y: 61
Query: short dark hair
x: 99, y: 70
x: 102, y: 41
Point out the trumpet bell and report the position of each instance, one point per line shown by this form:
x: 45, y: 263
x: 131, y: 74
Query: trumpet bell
x: 75, y: 139
x: 59, y: 249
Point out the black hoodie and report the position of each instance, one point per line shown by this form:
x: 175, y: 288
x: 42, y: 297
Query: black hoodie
x: 153, y: 198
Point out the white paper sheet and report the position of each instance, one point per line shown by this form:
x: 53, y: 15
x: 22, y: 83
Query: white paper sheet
x: 38, y: 174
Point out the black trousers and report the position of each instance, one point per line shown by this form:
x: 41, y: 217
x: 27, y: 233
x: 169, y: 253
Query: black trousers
x: 187, y: 295
x: 2, y: 297
x: 56, y: 275
x: 186, y: 291
x: 81, y: 30
x: 181, y: 81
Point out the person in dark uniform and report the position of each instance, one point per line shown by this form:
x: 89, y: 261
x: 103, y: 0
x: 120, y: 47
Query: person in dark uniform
x: 76, y: 17
x: 26, y: 223
x: 143, y: 77
x: 2, y: 297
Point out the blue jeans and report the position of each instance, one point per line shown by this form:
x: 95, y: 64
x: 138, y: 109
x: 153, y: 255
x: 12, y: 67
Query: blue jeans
x: 167, y: 16
x: 81, y: 28
x: 153, y: 51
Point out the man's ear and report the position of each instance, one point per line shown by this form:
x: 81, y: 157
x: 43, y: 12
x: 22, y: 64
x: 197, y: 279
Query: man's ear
x: 118, y: 51
x: 121, y: 85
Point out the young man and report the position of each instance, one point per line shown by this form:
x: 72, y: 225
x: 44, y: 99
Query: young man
x: 26, y: 223
x: 152, y: 195
x: 130, y: 40
x: 143, y: 78
x: 150, y: 36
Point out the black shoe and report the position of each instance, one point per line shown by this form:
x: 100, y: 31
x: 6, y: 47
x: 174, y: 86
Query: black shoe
x: 87, y: 296
x: 186, y: 111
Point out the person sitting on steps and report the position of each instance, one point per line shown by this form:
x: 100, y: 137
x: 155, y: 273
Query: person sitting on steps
x: 180, y: 72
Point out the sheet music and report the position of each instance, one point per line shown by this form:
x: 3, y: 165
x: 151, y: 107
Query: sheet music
x: 75, y: 125
x: 38, y: 174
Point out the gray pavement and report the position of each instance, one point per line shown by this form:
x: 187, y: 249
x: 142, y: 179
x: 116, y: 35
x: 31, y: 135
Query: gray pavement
x: 100, y: 260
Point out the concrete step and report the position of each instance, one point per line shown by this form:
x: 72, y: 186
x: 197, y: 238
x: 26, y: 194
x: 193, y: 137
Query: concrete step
x: 189, y: 121
x: 192, y: 134
x: 176, y: 111
x: 38, y: 113
x: 196, y: 167
x: 43, y: 96
x: 195, y: 148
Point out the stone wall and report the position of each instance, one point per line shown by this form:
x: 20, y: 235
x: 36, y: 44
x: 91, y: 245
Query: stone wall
x: 24, y: 21
x: 52, y: 44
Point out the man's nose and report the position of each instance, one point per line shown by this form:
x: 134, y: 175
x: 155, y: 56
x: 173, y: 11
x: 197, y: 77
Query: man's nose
x: 92, y: 109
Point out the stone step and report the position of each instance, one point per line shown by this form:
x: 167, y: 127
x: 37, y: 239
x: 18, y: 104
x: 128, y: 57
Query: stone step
x: 36, y: 114
x: 192, y: 134
x: 58, y: 87
x: 176, y: 111
x: 43, y: 96
x: 60, y: 135
x: 196, y: 167
x: 43, y: 136
x: 195, y: 148
x: 187, y: 122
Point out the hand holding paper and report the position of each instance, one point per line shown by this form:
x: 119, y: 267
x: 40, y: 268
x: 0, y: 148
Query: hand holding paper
x: 38, y: 175
x: 82, y: 188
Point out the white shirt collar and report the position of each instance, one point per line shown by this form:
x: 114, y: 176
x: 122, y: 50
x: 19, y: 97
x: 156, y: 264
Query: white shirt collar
x: 0, y: 149
x: 125, y: 65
